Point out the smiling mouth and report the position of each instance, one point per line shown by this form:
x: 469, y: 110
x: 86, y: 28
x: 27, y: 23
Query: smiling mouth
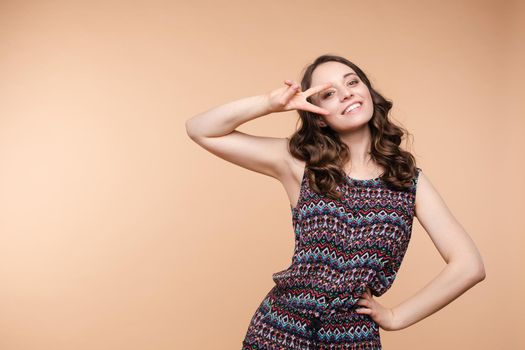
x: 353, y: 109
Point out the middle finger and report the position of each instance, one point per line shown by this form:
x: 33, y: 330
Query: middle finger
x: 317, y: 88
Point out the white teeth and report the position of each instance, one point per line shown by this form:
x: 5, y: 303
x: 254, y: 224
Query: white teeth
x: 353, y: 106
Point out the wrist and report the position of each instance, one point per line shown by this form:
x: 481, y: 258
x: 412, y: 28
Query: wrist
x: 265, y: 105
x: 397, y: 322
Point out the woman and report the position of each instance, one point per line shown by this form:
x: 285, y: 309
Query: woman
x: 352, y: 193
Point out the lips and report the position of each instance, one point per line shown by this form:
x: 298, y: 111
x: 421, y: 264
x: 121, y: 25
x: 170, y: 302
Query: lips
x: 355, y: 109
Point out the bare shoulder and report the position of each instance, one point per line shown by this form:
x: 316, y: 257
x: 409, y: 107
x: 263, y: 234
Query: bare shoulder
x: 427, y: 196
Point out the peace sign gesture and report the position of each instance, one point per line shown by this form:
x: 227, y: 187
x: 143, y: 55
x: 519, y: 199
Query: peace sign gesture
x: 291, y: 97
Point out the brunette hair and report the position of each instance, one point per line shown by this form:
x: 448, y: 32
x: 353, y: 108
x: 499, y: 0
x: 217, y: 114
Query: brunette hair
x: 325, y: 154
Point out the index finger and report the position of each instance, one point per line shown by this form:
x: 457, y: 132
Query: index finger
x: 317, y: 88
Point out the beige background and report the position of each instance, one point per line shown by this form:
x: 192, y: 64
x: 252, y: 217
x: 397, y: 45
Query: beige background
x: 118, y: 232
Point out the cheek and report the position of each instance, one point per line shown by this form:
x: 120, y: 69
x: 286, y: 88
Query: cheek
x: 332, y: 105
x: 368, y: 97
x: 371, y: 105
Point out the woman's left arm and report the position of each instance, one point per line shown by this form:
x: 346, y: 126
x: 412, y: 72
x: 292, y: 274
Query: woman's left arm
x: 464, y: 267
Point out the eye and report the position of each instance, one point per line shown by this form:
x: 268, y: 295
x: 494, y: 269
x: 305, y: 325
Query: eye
x: 349, y: 83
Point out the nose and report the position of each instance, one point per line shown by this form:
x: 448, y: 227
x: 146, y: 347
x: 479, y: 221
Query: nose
x: 346, y: 93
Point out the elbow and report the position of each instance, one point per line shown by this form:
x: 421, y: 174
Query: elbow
x: 479, y: 269
x: 471, y: 267
x: 471, y: 270
x: 189, y: 129
x: 480, y: 275
x: 477, y: 272
x: 194, y: 130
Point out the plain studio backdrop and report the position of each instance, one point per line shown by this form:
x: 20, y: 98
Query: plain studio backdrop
x: 119, y: 232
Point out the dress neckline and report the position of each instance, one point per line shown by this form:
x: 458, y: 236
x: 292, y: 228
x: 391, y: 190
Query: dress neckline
x: 363, y: 180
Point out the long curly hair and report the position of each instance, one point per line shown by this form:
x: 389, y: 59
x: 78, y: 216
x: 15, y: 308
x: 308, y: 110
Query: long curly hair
x: 325, y: 154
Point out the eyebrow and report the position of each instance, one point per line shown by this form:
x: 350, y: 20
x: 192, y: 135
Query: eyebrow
x: 347, y: 74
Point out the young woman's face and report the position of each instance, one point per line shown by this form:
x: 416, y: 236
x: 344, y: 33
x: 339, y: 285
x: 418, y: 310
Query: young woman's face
x: 347, y: 89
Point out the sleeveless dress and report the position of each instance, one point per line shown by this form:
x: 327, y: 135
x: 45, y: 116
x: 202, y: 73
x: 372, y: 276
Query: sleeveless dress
x: 342, y: 247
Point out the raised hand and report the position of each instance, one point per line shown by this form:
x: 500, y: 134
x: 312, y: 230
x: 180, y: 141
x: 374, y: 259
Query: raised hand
x: 291, y: 97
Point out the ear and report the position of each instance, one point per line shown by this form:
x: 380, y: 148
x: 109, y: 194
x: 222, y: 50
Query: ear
x: 321, y: 122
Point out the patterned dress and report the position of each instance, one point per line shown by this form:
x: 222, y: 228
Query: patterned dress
x: 341, y: 248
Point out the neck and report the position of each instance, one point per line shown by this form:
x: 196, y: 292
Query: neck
x: 359, y: 142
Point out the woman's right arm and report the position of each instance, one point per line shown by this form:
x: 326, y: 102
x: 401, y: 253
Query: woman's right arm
x: 214, y: 129
x: 222, y: 120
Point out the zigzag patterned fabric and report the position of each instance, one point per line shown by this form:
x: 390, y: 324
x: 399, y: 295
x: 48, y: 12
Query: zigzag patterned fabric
x: 342, y: 247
